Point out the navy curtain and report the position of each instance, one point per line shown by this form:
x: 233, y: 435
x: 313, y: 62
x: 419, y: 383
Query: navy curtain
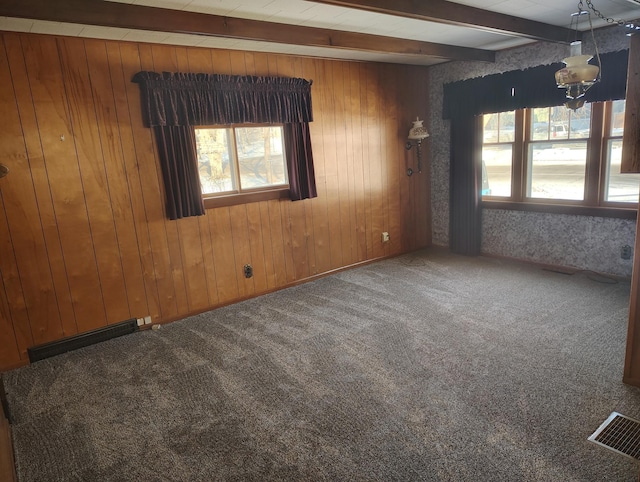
x: 174, y: 102
x: 466, y: 100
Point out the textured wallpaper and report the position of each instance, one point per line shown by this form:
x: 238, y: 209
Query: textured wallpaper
x: 584, y: 242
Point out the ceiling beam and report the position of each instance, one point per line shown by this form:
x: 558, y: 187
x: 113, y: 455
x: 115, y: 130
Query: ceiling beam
x: 123, y: 15
x: 442, y: 11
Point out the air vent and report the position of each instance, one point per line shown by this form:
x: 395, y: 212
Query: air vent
x: 59, y: 347
x: 620, y: 434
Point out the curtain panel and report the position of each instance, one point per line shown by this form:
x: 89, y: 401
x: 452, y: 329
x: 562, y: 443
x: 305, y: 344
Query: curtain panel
x: 466, y: 100
x: 173, y: 103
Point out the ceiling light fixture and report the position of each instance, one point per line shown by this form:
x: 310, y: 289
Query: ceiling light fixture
x: 579, y: 75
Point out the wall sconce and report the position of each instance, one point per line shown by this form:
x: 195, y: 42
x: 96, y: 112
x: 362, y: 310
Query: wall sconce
x: 416, y: 134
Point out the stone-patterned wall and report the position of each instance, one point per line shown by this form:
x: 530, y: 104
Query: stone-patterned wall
x: 584, y: 242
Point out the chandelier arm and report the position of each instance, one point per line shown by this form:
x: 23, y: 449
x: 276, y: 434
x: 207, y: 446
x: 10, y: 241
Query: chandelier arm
x: 593, y: 37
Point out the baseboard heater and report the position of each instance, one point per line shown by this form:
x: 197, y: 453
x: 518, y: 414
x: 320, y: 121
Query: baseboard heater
x: 74, y: 342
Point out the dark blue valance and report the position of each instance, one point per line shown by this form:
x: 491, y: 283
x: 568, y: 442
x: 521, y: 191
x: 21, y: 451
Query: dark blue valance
x: 533, y: 87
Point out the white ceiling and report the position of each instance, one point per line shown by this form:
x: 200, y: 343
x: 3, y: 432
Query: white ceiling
x: 308, y: 13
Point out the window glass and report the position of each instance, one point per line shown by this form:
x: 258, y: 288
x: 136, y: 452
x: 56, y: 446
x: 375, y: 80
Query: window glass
x: 556, y: 123
x: 240, y: 158
x: 617, y: 118
x: 216, y: 171
x: 507, y: 124
x: 497, y: 153
x: 499, y: 127
x: 260, y: 156
x: 496, y: 170
x: 557, y: 170
x: 619, y: 187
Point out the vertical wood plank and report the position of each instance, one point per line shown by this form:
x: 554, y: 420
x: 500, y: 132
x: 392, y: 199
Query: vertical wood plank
x: 40, y: 179
x: 267, y: 240
x: 324, y: 73
x: 9, y: 351
x: 116, y: 178
x: 630, y: 161
x: 256, y: 246
x: 358, y: 146
x: 93, y: 178
x: 20, y: 204
x: 367, y: 120
x: 393, y: 216
x: 14, y: 319
x: 133, y: 191
x: 375, y: 148
x: 65, y: 181
x: 222, y: 239
x: 343, y: 170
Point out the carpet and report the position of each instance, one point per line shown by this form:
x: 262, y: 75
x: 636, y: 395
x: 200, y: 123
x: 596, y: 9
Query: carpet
x: 428, y: 366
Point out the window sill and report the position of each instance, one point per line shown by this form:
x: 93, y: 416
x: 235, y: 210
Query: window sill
x: 599, y: 211
x: 245, y: 197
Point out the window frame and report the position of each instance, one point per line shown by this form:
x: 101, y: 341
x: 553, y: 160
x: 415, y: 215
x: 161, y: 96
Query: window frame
x: 593, y: 203
x: 246, y: 195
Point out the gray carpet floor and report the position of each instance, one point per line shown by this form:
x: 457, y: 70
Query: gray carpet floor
x: 428, y: 367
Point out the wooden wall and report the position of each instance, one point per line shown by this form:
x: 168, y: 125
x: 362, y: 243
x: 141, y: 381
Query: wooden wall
x: 84, y: 241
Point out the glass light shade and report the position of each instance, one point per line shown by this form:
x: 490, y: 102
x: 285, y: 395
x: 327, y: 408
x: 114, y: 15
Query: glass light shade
x: 418, y: 131
x: 577, y: 75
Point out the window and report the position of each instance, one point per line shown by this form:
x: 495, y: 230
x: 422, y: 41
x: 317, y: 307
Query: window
x: 235, y: 160
x: 556, y: 156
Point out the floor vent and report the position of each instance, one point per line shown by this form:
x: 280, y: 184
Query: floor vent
x: 620, y: 434
x: 58, y: 347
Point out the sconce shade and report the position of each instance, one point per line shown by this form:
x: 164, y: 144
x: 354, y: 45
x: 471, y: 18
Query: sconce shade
x: 418, y: 131
x: 577, y: 75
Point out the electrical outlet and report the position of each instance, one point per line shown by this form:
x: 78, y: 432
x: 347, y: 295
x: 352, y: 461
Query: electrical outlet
x: 140, y: 321
x: 248, y: 271
x: 625, y: 252
x: 147, y: 320
x: 385, y: 237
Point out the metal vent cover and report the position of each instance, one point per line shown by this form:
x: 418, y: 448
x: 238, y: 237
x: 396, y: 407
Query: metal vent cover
x: 620, y: 434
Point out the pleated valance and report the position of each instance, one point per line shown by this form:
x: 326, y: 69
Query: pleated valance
x: 534, y: 87
x: 174, y: 98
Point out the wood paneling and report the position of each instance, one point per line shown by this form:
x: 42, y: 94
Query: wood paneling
x: 7, y: 467
x: 631, y: 163
x: 631, y: 136
x: 84, y: 240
